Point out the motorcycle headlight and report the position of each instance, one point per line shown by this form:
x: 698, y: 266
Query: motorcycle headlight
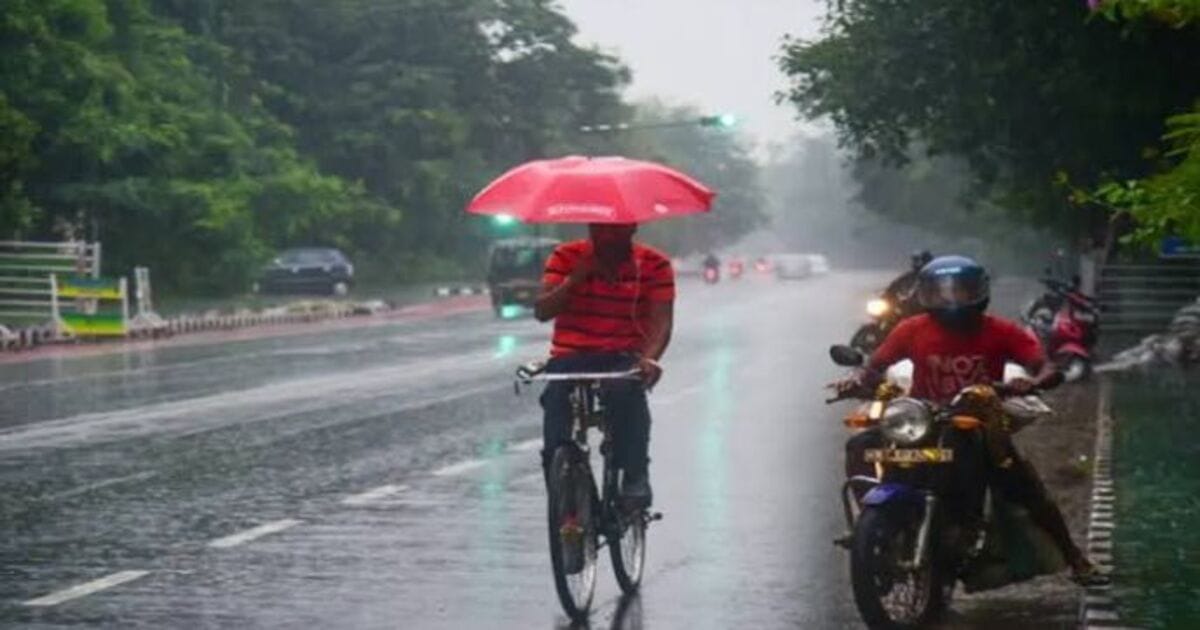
x: 877, y: 307
x: 906, y: 421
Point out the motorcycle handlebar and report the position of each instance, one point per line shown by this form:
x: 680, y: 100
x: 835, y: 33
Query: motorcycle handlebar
x: 1004, y: 390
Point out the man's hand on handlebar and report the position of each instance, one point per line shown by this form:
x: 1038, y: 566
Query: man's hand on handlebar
x: 651, y: 371
x: 850, y: 387
x: 1019, y: 387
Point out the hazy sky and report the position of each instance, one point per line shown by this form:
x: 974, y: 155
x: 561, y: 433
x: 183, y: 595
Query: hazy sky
x: 716, y: 54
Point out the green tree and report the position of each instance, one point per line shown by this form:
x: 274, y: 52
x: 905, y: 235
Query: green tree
x: 1024, y: 92
x: 1167, y: 202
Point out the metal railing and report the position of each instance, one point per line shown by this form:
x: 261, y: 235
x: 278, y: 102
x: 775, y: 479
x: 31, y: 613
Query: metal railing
x: 1143, y: 298
x: 27, y: 292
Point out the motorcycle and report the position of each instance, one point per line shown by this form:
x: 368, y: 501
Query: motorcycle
x: 712, y: 274
x: 925, y: 520
x: 736, y: 268
x: 884, y: 314
x: 1066, y: 321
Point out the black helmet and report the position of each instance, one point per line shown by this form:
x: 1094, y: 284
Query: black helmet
x: 920, y: 258
x: 955, y: 290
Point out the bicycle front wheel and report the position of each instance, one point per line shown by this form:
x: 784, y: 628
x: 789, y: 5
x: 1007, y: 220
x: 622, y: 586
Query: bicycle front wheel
x: 629, y: 551
x: 572, y: 528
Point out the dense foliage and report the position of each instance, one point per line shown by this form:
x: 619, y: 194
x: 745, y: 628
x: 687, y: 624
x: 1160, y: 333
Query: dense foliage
x: 1028, y: 94
x: 199, y: 136
x: 1167, y: 203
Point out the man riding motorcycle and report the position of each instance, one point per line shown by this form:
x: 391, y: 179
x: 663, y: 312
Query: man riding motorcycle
x: 901, y: 292
x: 955, y: 343
x: 612, y: 304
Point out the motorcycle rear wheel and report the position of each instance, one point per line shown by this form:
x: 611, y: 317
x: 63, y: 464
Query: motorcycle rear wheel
x: 888, y: 596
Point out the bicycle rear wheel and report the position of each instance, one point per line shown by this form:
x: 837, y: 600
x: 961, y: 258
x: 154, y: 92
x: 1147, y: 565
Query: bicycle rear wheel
x: 572, y: 528
x: 629, y: 551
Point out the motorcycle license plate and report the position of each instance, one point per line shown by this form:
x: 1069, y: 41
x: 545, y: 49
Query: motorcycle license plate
x: 908, y: 455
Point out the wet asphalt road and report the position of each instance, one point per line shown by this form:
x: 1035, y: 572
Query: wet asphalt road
x: 387, y: 477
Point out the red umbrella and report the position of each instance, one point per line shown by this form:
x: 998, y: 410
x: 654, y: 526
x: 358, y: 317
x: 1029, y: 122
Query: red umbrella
x: 580, y: 189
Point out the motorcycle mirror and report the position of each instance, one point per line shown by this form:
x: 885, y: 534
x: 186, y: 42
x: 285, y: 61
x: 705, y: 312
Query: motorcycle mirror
x: 845, y: 356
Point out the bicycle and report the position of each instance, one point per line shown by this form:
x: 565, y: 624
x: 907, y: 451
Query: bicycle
x: 579, y: 517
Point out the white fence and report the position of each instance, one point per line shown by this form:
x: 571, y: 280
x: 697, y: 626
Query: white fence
x: 27, y: 296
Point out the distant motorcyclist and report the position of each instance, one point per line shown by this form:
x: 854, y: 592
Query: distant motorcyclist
x: 902, y: 291
x: 711, y: 261
x: 955, y: 343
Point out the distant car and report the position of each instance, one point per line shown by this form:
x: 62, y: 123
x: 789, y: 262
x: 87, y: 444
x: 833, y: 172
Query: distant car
x: 792, y: 266
x: 307, y: 270
x: 819, y: 263
x: 515, y: 272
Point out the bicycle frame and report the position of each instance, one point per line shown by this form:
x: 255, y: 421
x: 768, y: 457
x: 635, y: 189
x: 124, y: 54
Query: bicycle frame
x: 587, y: 411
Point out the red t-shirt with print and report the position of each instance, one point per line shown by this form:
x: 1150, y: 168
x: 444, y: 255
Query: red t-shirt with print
x: 945, y: 360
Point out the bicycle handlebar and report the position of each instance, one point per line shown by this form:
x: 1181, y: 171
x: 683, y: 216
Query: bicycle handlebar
x: 627, y: 375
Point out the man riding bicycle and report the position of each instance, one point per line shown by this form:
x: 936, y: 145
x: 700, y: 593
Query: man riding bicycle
x: 612, y: 301
x: 956, y: 344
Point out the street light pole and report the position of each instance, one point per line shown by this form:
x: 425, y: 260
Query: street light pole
x: 724, y: 121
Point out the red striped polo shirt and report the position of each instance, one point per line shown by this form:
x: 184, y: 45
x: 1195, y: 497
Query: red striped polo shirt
x: 604, y: 316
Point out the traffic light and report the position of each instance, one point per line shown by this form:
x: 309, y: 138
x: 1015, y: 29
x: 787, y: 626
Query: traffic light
x: 724, y: 121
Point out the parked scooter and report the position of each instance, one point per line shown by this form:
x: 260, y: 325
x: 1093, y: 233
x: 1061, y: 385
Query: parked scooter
x: 1067, y: 322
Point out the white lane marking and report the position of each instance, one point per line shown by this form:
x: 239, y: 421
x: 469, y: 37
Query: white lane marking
x: 91, y: 487
x: 246, y: 536
x: 459, y: 468
x: 87, y: 588
x: 526, y: 446
x: 374, y: 494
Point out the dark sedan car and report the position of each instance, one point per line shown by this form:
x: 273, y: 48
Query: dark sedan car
x: 307, y: 270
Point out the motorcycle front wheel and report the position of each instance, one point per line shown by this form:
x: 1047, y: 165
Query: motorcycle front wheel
x: 888, y: 595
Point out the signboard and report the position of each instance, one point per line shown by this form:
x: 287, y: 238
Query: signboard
x: 1178, y: 247
x: 94, y: 325
x: 91, y: 288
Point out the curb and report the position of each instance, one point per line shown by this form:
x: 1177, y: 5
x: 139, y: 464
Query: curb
x: 447, y: 291
x: 1098, y: 608
x: 152, y: 326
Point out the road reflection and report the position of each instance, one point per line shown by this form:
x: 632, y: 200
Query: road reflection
x: 626, y: 616
x: 629, y: 613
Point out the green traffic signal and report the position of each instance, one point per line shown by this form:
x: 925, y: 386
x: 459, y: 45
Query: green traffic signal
x: 724, y: 121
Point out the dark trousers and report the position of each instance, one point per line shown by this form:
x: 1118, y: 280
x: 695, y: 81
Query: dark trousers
x: 626, y: 411
x: 1017, y: 482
